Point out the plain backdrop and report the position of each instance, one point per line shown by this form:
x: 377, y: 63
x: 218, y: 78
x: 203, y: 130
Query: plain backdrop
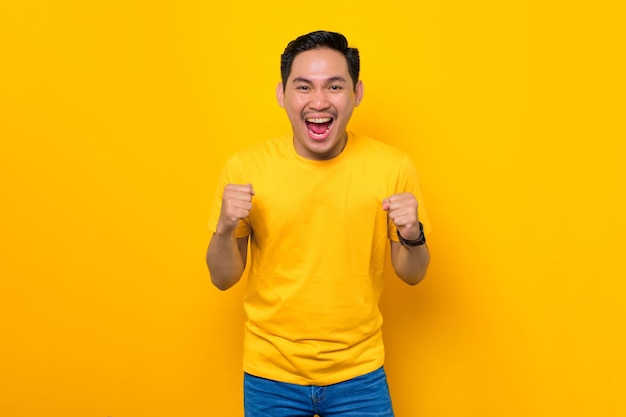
x: 116, y: 117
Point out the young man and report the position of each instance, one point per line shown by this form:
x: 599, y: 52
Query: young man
x: 318, y: 208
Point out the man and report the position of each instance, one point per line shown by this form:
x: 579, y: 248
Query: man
x: 318, y: 207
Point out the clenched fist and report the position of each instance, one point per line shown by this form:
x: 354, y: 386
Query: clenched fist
x: 236, y: 205
x: 402, y: 210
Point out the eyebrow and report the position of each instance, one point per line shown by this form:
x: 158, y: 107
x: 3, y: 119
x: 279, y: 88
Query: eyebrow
x: 327, y: 81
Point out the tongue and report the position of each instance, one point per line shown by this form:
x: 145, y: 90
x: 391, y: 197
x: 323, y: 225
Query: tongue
x: 318, y: 128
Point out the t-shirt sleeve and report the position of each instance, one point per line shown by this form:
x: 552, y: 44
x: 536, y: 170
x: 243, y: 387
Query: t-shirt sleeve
x: 232, y: 173
x: 408, y: 182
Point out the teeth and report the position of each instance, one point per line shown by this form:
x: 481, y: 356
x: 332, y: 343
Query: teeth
x: 319, y: 120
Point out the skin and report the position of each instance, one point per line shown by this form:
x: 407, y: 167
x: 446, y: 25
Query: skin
x: 319, y: 87
x: 410, y: 264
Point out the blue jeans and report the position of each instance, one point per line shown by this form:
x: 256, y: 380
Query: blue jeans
x: 363, y: 396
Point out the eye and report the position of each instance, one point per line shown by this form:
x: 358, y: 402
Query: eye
x: 302, y: 88
x: 336, y: 88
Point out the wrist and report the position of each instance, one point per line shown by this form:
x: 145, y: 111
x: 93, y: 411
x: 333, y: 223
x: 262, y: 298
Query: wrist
x: 415, y: 242
x: 225, y: 230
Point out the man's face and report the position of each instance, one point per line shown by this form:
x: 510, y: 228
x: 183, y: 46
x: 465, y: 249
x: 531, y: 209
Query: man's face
x: 319, y: 99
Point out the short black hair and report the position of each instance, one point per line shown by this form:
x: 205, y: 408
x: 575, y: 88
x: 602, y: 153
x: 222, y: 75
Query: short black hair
x: 320, y: 39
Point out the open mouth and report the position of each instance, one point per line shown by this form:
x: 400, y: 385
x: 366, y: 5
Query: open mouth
x: 318, y: 127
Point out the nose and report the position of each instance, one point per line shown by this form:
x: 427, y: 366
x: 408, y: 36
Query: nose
x: 319, y: 100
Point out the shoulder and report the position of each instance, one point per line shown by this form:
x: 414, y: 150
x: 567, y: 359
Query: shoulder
x: 261, y: 150
x: 383, y: 159
x: 266, y: 149
x: 258, y: 157
x: 382, y: 151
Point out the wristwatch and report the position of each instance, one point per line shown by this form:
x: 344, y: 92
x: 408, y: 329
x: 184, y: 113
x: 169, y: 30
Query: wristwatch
x: 412, y: 243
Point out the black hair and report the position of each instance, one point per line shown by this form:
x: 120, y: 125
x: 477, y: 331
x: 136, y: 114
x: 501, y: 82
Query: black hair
x: 320, y: 39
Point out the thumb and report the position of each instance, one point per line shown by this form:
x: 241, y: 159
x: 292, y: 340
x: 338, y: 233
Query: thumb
x: 386, y: 204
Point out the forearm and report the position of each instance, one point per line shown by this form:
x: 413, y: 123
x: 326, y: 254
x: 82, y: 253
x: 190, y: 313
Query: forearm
x: 410, y: 264
x: 226, y: 259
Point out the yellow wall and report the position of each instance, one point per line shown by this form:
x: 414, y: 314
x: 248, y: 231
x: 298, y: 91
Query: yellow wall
x: 116, y: 116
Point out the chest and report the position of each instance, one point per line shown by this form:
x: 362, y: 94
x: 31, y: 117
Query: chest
x: 320, y: 199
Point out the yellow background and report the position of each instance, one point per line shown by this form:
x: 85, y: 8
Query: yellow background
x: 116, y: 116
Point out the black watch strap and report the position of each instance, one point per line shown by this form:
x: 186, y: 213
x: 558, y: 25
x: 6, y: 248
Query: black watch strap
x: 413, y: 243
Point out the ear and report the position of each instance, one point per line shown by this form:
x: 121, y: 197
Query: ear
x: 358, y: 92
x: 280, y: 94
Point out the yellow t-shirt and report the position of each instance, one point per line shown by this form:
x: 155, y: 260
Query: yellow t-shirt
x: 318, y: 242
